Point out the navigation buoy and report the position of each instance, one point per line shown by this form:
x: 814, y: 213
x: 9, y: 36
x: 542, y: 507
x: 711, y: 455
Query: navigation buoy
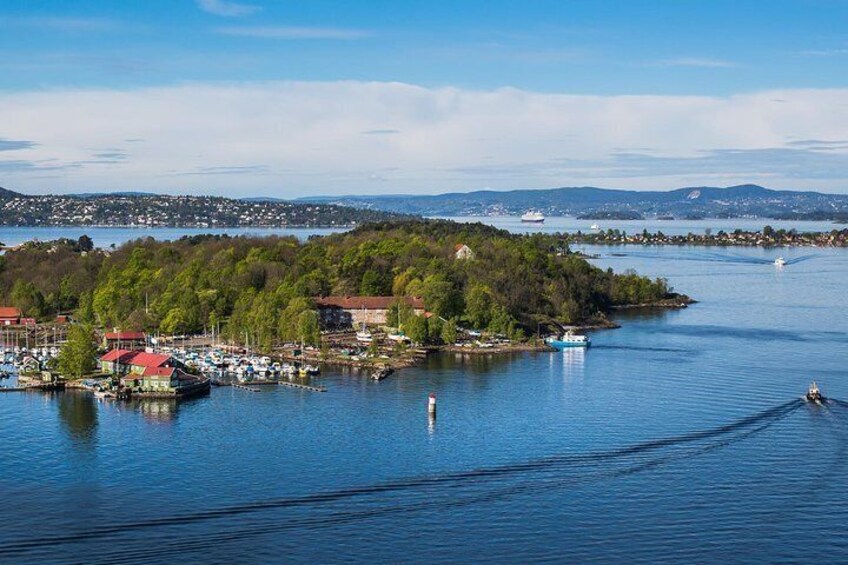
x: 431, y: 407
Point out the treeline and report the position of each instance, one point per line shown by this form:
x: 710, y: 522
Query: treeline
x: 259, y: 289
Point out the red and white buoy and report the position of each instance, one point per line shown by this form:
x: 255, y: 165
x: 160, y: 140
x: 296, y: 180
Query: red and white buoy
x: 431, y: 406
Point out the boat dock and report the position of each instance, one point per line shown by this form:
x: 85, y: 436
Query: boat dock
x: 303, y: 387
x: 276, y: 383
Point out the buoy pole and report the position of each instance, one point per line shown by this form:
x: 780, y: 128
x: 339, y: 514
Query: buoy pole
x: 431, y: 406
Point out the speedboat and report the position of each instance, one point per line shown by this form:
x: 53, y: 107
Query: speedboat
x: 569, y: 339
x: 780, y: 261
x: 814, y: 394
x: 594, y: 227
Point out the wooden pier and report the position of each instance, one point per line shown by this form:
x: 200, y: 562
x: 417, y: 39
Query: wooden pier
x: 303, y: 387
x: 242, y: 387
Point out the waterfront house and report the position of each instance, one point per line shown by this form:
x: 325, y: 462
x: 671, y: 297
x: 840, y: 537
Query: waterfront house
x: 462, y: 251
x: 151, y: 372
x: 9, y: 316
x: 125, y: 340
x: 352, y: 311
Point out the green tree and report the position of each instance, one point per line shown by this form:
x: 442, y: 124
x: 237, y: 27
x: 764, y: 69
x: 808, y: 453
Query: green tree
x: 308, y: 329
x: 478, y: 306
x: 78, y: 355
x: 85, y: 310
x: 27, y: 298
x: 415, y: 329
x: 174, y: 321
x: 449, y: 333
x: 441, y: 296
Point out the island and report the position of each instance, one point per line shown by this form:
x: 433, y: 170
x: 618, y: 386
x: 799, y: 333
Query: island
x: 767, y: 237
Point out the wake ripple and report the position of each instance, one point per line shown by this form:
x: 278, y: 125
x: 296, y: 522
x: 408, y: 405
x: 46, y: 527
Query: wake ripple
x: 555, y: 471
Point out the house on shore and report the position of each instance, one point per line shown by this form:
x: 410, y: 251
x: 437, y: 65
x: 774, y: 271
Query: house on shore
x: 352, y: 311
x: 150, y: 372
x: 9, y: 316
x: 125, y: 340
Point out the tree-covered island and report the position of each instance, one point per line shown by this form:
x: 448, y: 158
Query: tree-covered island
x: 264, y: 290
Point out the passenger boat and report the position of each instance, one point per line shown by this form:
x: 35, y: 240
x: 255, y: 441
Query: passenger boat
x: 533, y: 217
x: 780, y: 261
x: 569, y: 339
x: 814, y: 394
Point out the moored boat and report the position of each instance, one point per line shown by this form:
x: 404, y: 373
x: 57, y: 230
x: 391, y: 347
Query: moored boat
x: 569, y: 339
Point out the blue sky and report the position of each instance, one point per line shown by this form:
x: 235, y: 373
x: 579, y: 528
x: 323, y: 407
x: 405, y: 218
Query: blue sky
x: 403, y: 81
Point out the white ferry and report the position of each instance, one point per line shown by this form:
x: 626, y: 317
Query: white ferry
x: 533, y: 217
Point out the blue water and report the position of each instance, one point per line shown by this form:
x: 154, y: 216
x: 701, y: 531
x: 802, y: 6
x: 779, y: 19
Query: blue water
x: 104, y: 237
x: 678, y: 438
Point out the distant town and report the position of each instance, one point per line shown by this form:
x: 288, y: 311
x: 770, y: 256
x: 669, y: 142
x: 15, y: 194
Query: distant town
x: 768, y: 237
x: 148, y: 210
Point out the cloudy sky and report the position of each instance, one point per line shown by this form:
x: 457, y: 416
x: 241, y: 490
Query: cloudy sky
x: 302, y: 97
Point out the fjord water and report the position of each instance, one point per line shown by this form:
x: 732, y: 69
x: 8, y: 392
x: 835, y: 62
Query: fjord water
x: 680, y: 437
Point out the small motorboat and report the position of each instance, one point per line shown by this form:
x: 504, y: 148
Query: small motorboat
x: 780, y: 261
x: 595, y: 227
x: 814, y: 394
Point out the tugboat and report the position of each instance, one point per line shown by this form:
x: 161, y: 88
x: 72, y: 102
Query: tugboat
x: 779, y: 262
x: 813, y: 394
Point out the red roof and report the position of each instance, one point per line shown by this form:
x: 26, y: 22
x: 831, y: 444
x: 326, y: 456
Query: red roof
x: 129, y: 336
x: 144, y: 359
x: 119, y: 355
x: 9, y: 312
x: 136, y: 358
x: 158, y: 371
x: 366, y: 302
x: 458, y: 246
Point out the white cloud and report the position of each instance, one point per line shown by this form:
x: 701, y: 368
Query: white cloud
x: 294, y: 32
x: 698, y: 62
x: 226, y: 8
x: 299, y: 138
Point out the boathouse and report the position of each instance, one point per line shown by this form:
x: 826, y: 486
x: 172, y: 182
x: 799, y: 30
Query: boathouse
x: 9, y: 316
x: 352, y: 311
x: 151, y: 372
x: 125, y: 340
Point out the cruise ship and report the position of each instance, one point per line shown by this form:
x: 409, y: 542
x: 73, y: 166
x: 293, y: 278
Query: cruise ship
x: 533, y: 217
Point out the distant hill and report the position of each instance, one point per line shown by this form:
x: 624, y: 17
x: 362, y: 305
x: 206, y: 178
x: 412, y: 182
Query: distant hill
x: 692, y: 202
x: 6, y: 194
x: 151, y: 210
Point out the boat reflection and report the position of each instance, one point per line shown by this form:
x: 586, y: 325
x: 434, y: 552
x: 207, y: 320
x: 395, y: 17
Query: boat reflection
x: 157, y: 409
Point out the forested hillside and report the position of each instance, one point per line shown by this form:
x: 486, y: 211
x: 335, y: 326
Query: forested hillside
x: 260, y: 287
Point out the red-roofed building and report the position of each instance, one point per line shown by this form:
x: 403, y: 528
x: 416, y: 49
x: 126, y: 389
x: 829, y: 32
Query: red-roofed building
x: 462, y: 251
x: 9, y: 316
x: 150, y: 372
x: 125, y: 340
x: 347, y: 311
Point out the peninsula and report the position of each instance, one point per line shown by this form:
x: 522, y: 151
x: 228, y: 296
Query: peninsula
x: 158, y: 210
x: 768, y: 237
x: 416, y: 282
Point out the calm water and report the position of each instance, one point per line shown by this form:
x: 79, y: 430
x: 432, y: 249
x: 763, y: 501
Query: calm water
x: 105, y: 237
x: 668, y: 227
x: 678, y: 438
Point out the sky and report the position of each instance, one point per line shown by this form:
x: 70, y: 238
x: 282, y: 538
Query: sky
x: 291, y: 98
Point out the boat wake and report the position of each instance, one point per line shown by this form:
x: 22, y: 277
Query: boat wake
x: 714, y: 257
x: 116, y: 542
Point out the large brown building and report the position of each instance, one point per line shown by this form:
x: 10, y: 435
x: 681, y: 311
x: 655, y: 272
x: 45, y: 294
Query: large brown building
x: 352, y: 311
